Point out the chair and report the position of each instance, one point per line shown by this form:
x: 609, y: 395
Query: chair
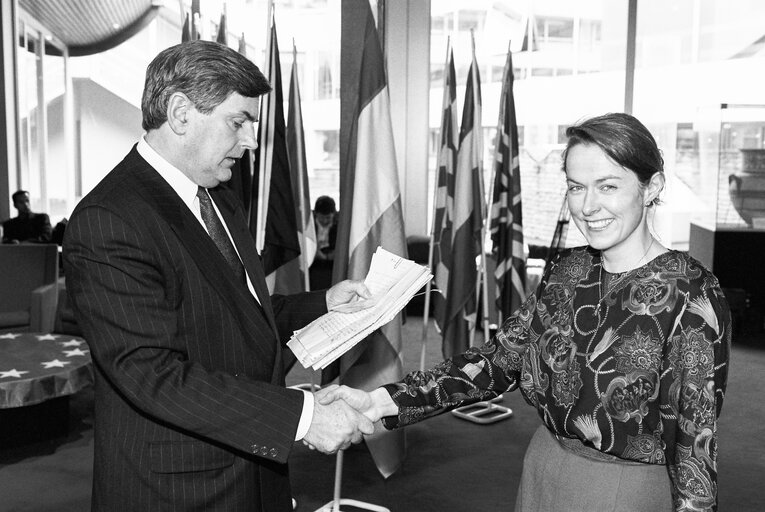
x: 65, y: 322
x: 28, y: 287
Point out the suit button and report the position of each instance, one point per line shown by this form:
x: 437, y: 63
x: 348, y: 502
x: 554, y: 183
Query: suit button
x: 263, y: 451
x: 274, y: 453
x: 255, y: 449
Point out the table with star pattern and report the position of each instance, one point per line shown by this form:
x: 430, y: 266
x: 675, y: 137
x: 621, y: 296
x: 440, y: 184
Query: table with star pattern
x: 35, y: 367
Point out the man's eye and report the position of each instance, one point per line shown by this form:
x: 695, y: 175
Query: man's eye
x: 237, y: 124
x: 608, y: 188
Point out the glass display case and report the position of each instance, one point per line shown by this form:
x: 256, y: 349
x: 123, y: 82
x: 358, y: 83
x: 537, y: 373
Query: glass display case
x: 729, y: 174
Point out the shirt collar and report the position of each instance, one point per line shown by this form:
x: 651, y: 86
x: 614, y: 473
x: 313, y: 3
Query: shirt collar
x: 183, y: 186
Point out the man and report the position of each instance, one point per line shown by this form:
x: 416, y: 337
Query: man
x: 325, y: 217
x: 191, y: 412
x: 27, y: 227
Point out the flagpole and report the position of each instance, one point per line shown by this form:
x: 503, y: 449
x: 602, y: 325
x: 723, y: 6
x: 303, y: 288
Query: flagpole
x: 264, y: 175
x: 483, y: 272
x: 301, y: 191
x: 428, y: 287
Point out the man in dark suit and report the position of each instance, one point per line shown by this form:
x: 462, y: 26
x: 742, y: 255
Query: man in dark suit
x: 27, y: 227
x: 191, y: 412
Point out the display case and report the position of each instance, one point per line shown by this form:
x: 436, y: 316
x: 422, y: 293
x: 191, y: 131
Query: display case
x: 729, y: 174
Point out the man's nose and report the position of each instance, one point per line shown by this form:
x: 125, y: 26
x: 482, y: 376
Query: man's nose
x: 248, y: 139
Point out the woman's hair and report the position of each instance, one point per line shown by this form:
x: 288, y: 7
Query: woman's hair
x: 624, y: 139
x: 206, y: 72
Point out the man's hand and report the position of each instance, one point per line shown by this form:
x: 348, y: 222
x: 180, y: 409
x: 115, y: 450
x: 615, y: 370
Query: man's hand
x: 349, y: 293
x: 374, y: 405
x: 335, y: 426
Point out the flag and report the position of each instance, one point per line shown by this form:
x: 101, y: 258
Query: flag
x: 280, y: 249
x: 559, y: 237
x: 506, y: 216
x: 241, y: 172
x: 529, y: 43
x: 469, y: 206
x: 444, y: 207
x: 371, y: 216
x: 299, y: 174
x: 186, y: 30
x: 222, y: 36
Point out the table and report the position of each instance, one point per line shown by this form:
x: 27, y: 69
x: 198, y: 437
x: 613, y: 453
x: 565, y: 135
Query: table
x: 38, y: 373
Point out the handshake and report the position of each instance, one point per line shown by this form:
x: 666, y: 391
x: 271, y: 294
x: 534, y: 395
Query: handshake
x: 342, y: 415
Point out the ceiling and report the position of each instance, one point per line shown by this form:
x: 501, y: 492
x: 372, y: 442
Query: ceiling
x: 92, y: 26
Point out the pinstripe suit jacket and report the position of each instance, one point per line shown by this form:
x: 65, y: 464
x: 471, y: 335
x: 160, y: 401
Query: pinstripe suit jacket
x: 191, y: 412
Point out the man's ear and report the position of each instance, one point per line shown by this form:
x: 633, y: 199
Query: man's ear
x: 178, y: 110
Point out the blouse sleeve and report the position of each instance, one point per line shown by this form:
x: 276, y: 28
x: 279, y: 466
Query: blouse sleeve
x: 481, y: 373
x: 693, y: 387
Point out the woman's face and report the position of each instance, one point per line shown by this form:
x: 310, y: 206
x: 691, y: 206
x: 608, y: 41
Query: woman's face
x: 606, y: 201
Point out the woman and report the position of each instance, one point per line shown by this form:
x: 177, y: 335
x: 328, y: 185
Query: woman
x: 623, y: 351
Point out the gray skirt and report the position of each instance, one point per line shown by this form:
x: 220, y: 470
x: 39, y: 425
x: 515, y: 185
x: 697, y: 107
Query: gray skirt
x: 563, y: 475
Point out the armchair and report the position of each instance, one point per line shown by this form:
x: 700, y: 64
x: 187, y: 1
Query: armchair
x: 28, y: 287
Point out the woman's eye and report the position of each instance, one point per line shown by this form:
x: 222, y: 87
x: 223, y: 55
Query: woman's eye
x: 574, y: 188
x: 607, y: 188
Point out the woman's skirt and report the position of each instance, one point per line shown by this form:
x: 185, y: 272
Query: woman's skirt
x: 570, y: 476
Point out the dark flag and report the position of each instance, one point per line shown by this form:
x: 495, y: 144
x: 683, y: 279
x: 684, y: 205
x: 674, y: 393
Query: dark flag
x: 280, y: 246
x: 241, y: 171
x: 186, y: 30
x: 299, y: 174
x: 506, y: 216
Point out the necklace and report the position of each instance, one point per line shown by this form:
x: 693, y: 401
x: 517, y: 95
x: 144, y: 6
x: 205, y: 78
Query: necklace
x: 600, y: 275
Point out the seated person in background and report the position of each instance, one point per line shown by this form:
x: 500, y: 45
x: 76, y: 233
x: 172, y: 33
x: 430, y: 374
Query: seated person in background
x: 27, y: 227
x: 325, y: 220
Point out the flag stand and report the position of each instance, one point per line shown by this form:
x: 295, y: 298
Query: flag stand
x: 337, y: 501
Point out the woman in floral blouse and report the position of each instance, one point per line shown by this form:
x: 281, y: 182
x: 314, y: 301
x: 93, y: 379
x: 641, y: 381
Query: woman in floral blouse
x: 623, y: 351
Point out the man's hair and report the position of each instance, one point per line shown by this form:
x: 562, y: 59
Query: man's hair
x: 325, y: 205
x: 206, y: 72
x: 18, y: 193
x: 624, y: 139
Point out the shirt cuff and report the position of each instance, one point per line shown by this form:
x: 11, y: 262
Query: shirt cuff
x: 306, y: 417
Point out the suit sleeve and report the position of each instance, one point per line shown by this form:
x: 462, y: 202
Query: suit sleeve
x: 127, y: 301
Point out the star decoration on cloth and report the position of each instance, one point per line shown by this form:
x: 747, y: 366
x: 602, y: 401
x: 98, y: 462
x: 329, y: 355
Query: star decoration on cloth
x: 75, y: 352
x: 12, y: 373
x: 71, y: 343
x: 47, y: 337
x: 9, y: 336
x: 54, y: 364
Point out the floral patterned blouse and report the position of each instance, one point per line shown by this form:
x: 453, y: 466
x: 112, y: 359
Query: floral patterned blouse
x: 633, y: 364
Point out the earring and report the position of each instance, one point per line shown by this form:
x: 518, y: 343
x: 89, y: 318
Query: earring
x: 649, y: 204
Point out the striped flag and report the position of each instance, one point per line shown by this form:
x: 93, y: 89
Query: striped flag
x: 506, y: 221
x: 469, y: 206
x: 444, y: 207
x: 281, y: 249
x: 371, y: 216
x: 559, y: 236
x: 299, y: 176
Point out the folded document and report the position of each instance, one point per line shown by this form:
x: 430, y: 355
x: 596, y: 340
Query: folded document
x: 392, y: 281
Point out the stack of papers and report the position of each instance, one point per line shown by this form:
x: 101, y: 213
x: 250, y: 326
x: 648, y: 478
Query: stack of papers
x: 392, y: 282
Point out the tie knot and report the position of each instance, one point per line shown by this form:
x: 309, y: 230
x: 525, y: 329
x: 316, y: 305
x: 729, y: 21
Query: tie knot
x: 202, y: 194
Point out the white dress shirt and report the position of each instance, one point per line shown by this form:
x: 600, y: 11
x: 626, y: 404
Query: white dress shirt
x: 187, y: 191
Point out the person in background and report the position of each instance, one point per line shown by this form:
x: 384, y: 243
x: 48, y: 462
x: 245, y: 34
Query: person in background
x: 191, y: 410
x: 27, y: 226
x: 623, y: 351
x: 325, y: 221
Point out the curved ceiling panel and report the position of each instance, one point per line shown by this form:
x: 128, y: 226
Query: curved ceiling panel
x: 92, y: 26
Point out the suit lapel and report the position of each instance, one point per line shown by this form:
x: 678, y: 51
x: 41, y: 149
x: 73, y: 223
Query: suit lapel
x: 245, y: 244
x: 202, y: 250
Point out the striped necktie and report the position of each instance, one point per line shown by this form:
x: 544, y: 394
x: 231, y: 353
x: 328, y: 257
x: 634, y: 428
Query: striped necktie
x: 218, y: 234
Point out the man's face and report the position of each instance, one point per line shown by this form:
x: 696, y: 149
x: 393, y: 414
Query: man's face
x: 324, y: 219
x: 214, y: 141
x: 21, y: 203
